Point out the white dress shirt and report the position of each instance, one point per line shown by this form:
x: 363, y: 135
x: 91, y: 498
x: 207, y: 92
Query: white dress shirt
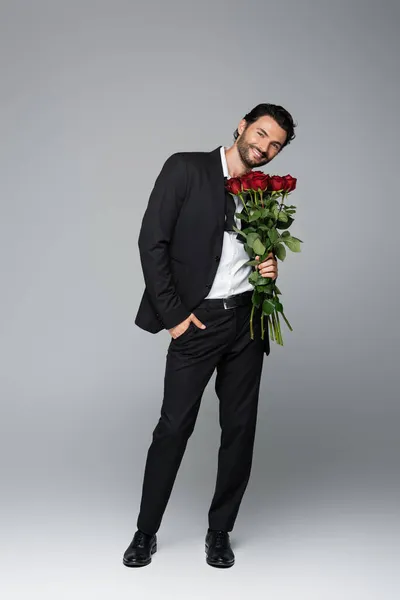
x: 232, y: 274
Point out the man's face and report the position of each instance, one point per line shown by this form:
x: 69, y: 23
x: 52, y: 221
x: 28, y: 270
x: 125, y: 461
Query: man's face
x: 260, y: 141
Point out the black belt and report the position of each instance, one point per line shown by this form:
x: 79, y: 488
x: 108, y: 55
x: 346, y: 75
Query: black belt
x: 228, y: 302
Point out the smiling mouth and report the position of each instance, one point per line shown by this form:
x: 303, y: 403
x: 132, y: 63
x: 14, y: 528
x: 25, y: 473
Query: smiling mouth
x: 257, y: 154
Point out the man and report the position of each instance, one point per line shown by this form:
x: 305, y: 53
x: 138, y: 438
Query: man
x: 196, y: 287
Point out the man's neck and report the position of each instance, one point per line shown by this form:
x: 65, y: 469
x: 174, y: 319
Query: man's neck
x: 236, y: 167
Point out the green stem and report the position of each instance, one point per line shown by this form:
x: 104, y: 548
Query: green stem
x: 280, y: 208
x: 287, y: 322
x: 255, y: 199
x: 250, y: 192
x: 251, y: 322
x: 243, y: 202
x: 271, y: 316
x: 277, y: 338
x: 279, y: 329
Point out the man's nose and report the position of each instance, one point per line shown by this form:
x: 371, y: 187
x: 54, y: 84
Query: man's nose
x: 264, y: 148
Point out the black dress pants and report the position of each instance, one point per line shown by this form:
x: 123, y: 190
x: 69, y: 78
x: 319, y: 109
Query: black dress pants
x: 225, y: 345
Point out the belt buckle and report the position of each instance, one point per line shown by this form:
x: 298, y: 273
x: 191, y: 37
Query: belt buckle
x: 226, y: 302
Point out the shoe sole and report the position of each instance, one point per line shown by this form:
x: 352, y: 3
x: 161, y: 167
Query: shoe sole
x: 140, y: 564
x: 220, y: 565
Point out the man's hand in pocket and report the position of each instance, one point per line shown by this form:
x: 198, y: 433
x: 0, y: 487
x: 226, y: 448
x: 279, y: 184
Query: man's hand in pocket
x: 181, y: 327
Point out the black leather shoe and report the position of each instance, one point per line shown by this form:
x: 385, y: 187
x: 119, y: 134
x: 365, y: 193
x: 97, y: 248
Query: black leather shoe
x: 218, y: 549
x: 139, y: 551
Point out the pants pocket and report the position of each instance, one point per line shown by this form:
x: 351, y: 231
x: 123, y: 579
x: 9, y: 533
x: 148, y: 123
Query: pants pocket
x: 186, y: 333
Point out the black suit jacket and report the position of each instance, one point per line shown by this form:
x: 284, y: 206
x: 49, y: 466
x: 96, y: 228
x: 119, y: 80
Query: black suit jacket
x: 180, y: 239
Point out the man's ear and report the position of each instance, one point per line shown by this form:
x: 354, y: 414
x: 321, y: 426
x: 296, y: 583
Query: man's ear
x: 241, y: 126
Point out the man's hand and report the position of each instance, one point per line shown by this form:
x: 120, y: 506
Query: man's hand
x: 268, y: 268
x: 181, y: 327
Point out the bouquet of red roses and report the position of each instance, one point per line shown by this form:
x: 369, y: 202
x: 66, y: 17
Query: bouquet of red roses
x: 263, y: 217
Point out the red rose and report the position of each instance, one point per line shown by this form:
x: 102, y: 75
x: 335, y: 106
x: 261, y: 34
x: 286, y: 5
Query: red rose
x: 276, y: 183
x: 290, y: 183
x: 246, y: 180
x: 259, y: 180
x: 234, y: 185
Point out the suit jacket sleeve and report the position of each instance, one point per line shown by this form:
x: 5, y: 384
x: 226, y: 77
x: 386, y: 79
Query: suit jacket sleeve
x: 157, y: 228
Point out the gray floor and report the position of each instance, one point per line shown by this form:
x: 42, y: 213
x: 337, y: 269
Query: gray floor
x: 319, y: 520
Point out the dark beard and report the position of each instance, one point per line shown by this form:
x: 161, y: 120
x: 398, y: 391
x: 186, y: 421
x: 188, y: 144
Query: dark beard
x: 247, y: 157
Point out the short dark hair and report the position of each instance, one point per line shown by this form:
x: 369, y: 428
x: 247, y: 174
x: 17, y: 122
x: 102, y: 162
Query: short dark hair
x: 278, y: 113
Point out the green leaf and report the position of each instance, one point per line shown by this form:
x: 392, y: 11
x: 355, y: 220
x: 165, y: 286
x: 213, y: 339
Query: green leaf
x: 273, y: 235
x: 264, y: 212
x: 239, y: 231
x: 268, y: 307
x: 283, y: 216
x: 241, y: 216
x: 258, y: 246
x: 254, y: 216
x: 281, y: 225
x: 265, y: 287
x: 256, y: 298
x: 263, y: 281
x: 280, y: 251
x: 252, y: 237
x: 252, y: 263
x: 285, y: 234
x: 253, y: 278
x: 293, y: 244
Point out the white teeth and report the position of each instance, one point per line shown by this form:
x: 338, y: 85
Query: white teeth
x: 257, y: 153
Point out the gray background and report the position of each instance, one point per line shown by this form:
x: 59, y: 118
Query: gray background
x: 94, y: 97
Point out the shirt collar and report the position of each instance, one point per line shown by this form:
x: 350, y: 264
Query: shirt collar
x: 224, y: 163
